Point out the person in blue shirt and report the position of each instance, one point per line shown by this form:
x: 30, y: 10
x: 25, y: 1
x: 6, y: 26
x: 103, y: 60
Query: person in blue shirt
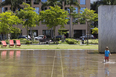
x: 107, y: 52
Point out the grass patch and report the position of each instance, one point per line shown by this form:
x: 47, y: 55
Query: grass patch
x: 91, y: 41
x: 60, y: 46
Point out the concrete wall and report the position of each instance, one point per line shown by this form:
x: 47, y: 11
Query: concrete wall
x: 107, y: 27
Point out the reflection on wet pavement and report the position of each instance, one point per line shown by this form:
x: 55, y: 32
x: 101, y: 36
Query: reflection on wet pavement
x: 55, y: 63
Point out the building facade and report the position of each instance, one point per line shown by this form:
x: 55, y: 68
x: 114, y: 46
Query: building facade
x: 79, y: 28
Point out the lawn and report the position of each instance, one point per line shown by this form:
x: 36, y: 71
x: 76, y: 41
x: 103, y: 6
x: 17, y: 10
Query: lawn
x: 60, y: 46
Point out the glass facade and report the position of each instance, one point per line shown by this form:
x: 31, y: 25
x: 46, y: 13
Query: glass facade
x: 2, y: 9
x: 3, y: 0
x: 37, y: 10
x: 44, y: 8
x: 75, y: 20
x: 82, y: 9
x: 35, y: 1
x: 43, y: 0
x: 67, y: 9
x: 76, y: 10
x: 48, y: 33
x: 82, y: 2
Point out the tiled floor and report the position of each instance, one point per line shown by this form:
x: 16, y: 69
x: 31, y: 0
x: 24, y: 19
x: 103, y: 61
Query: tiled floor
x: 56, y: 63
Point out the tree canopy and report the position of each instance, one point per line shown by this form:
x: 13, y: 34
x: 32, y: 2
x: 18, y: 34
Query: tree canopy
x: 54, y: 16
x: 7, y: 20
x: 29, y: 16
x: 95, y: 31
x: 88, y: 14
x: 14, y: 3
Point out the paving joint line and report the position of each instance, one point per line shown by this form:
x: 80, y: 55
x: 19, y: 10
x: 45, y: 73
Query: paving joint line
x: 61, y: 64
x: 53, y: 65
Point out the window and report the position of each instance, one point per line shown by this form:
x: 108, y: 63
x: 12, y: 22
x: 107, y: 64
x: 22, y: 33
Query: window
x: 13, y: 9
x: 76, y: 10
x: 37, y: 10
x: 43, y: 1
x: 68, y: 21
x: 67, y: 9
x: 75, y: 20
x: 19, y: 9
x: 48, y: 33
x: 44, y: 8
x: 4, y: 9
x: 35, y: 1
x: 3, y: 0
x: 82, y: 2
x: 28, y: 1
x: 82, y: 9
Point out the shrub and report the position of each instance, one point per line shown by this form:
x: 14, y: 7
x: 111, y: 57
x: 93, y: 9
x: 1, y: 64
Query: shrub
x: 71, y: 41
x: 35, y: 42
x: 28, y: 42
x: 92, y: 41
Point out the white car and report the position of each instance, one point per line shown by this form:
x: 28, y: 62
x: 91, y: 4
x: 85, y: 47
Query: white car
x: 89, y: 37
x: 39, y: 37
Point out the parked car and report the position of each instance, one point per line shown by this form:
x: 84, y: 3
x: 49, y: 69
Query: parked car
x: 24, y: 36
x: 21, y: 36
x: 89, y: 37
x: 39, y: 37
x: 60, y: 36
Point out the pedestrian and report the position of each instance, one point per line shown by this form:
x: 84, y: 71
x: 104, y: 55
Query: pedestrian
x: 82, y: 40
x: 107, y: 52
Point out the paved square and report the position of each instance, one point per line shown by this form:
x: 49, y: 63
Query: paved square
x: 56, y: 63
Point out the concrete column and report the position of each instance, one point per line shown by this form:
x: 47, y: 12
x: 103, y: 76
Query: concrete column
x: 107, y: 27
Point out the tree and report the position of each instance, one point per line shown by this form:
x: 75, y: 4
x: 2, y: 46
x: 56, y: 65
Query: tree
x: 108, y: 2
x: 14, y: 3
x: 29, y: 16
x: 89, y: 16
x: 7, y: 20
x: 53, y: 17
x: 51, y: 3
x: 95, y: 31
x: 75, y: 3
x: 15, y: 32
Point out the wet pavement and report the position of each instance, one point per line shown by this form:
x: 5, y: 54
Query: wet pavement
x: 56, y: 63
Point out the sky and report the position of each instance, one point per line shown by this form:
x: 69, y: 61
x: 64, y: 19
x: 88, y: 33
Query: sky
x: 93, y: 1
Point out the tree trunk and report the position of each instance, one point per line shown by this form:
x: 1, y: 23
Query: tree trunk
x: 27, y: 32
x: 54, y: 38
x: 11, y: 5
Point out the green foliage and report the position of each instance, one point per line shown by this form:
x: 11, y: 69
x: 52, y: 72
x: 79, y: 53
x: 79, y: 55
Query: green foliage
x: 7, y: 20
x: 29, y: 16
x: 15, y: 32
x: 54, y: 16
x: 25, y: 41
x: 62, y: 31
x: 72, y: 2
x: 71, y: 41
x: 91, y: 41
x: 28, y: 42
x: 95, y: 31
x: 88, y: 14
x: 14, y: 3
